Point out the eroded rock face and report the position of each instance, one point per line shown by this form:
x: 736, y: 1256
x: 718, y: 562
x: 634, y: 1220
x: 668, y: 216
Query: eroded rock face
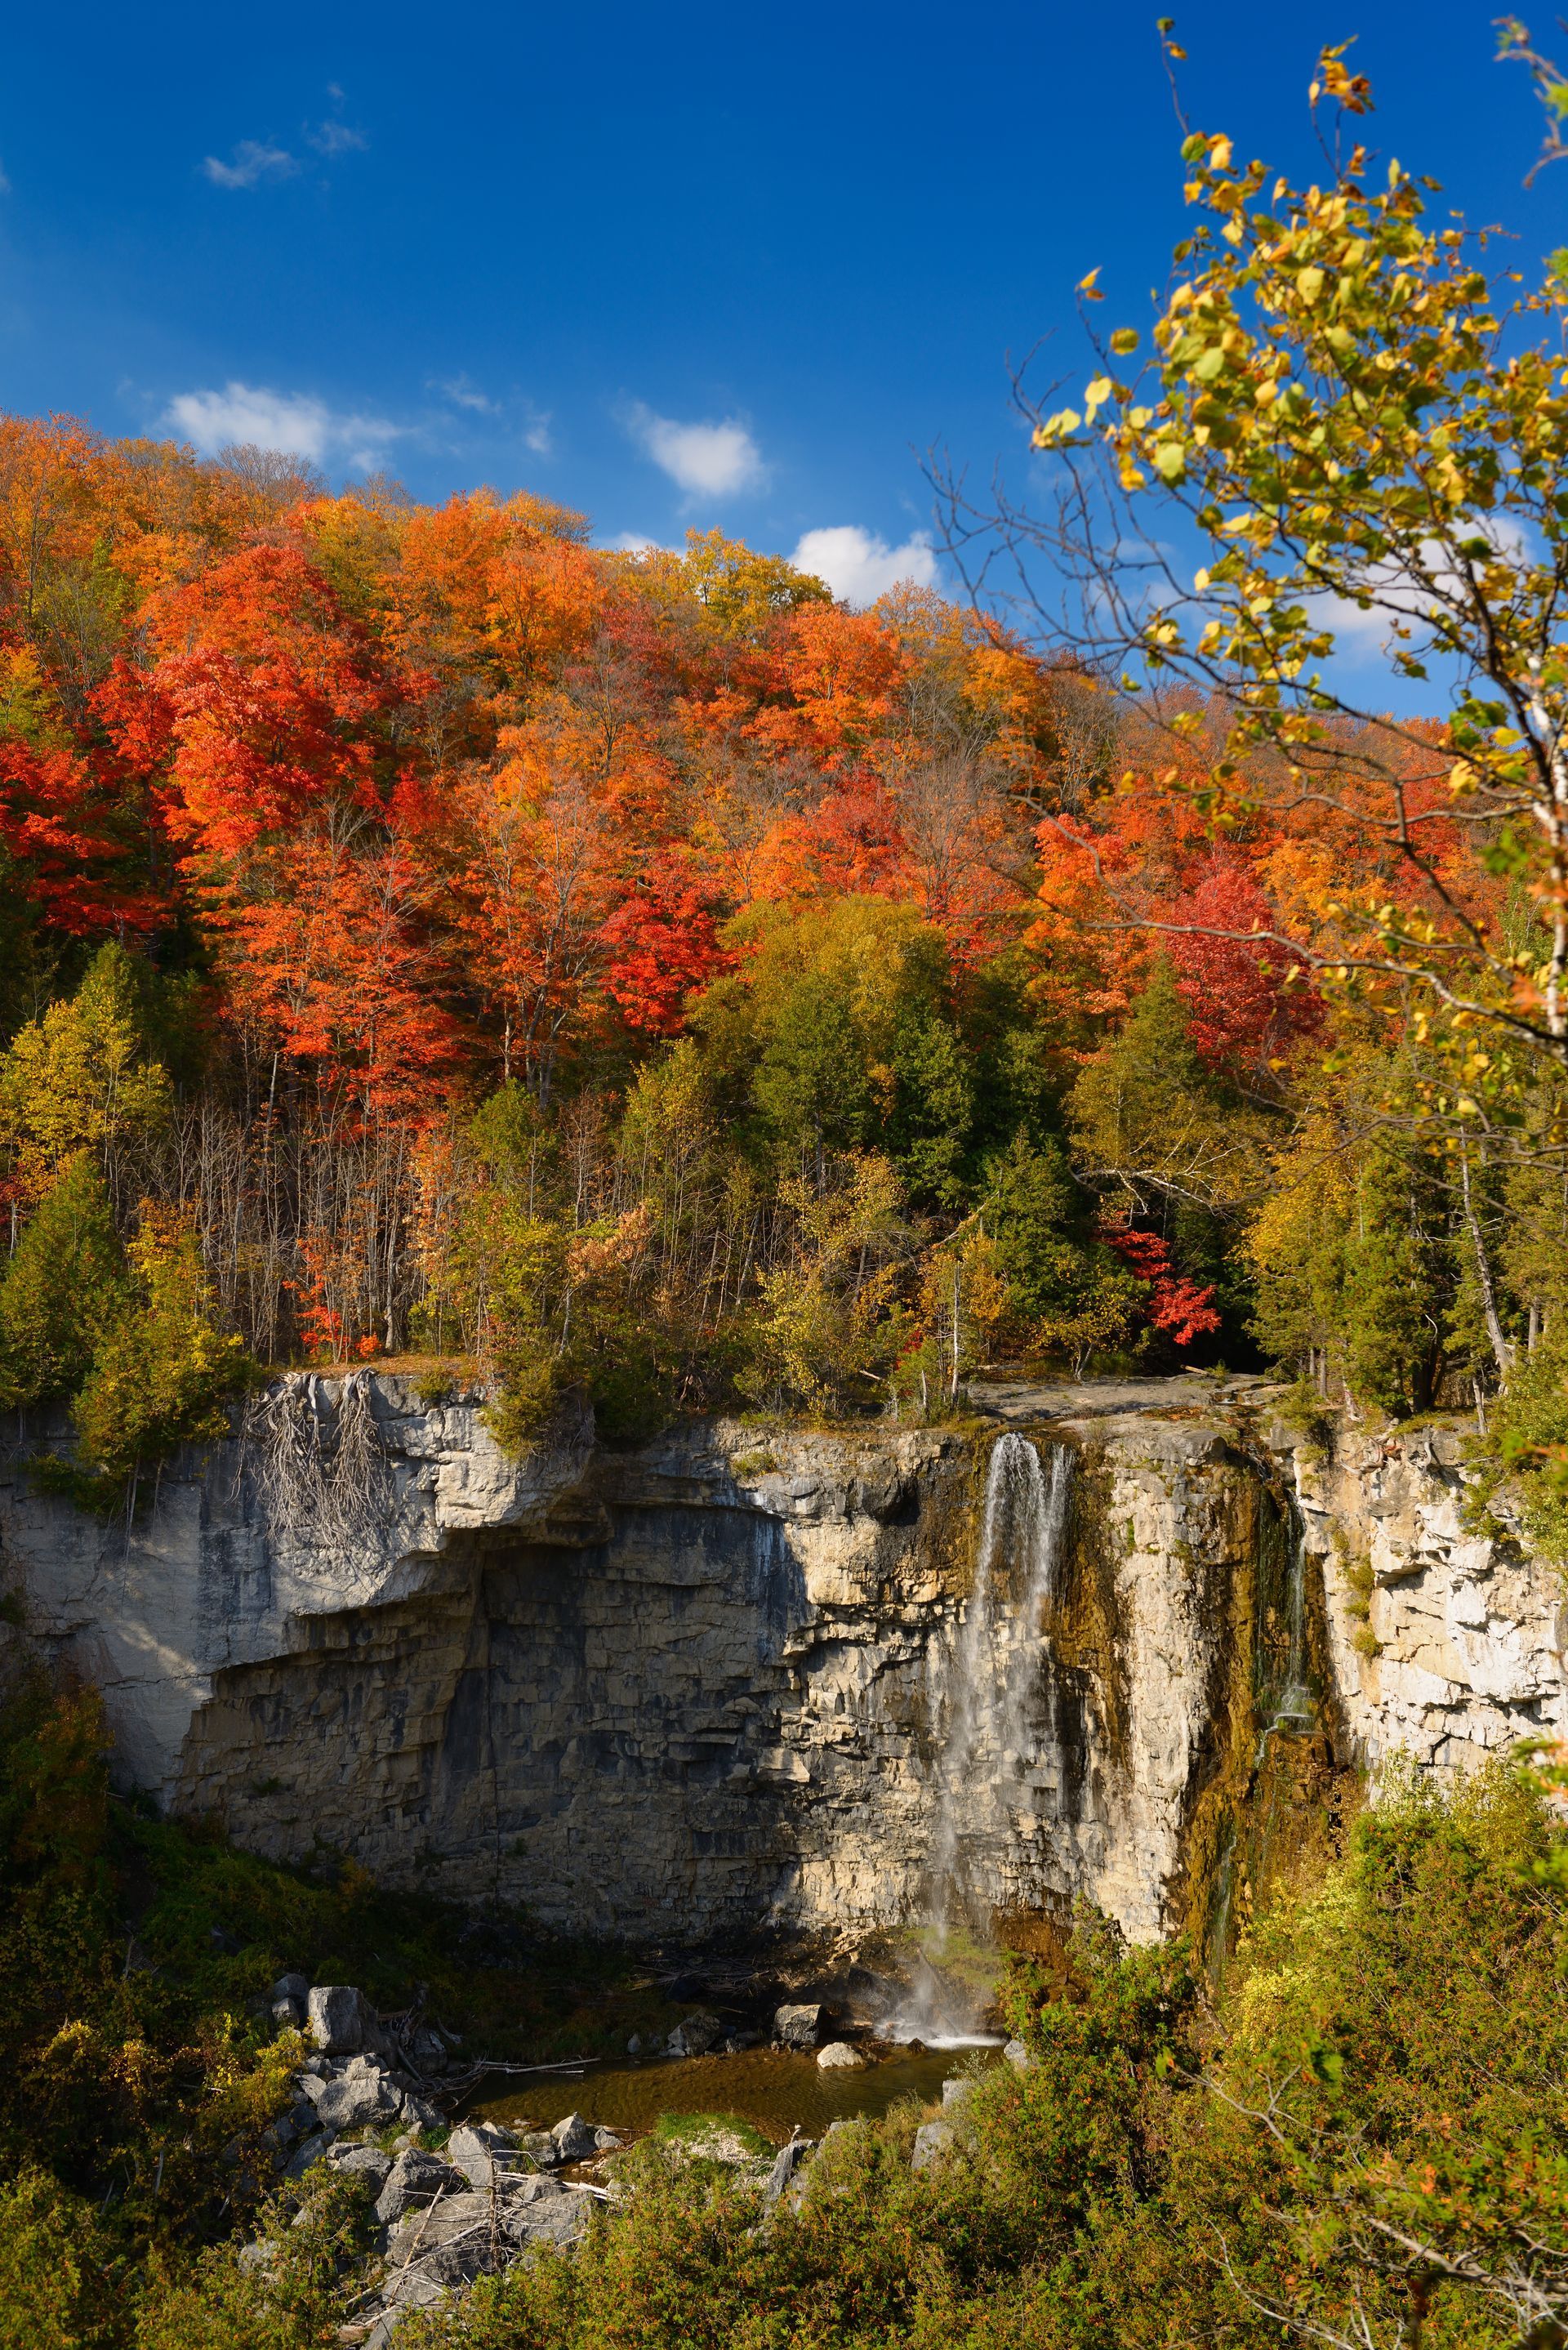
x: 712, y: 1684
x: 1462, y: 1650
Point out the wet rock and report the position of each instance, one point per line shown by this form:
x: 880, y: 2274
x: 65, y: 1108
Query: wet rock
x: 838, y: 2056
x: 338, y: 2017
x: 695, y: 2036
x: 575, y: 2138
x: 798, y: 2026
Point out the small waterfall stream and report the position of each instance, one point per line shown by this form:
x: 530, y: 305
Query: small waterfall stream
x: 1286, y: 1709
x: 999, y: 1759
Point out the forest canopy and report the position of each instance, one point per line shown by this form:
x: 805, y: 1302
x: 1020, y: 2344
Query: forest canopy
x: 426, y: 931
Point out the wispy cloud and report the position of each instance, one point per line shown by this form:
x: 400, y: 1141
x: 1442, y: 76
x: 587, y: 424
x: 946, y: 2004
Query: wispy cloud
x: 533, y: 424
x: 859, y: 567
x: 252, y: 161
x: 296, y: 422
x: 712, y: 461
x: 635, y: 542
x: 5, y: 182
x: 463, y: 393
x: 335, y: 138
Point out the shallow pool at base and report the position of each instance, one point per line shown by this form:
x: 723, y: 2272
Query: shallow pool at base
x: 776, y: 2092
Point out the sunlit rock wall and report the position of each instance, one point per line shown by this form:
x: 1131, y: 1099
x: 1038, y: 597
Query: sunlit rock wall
x: 710, y: 1686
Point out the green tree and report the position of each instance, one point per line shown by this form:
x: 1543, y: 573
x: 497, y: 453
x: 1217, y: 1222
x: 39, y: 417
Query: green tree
x: 162, y: 1370
x: 1066, y: 1291
x: 1147, y: 1121
x: 82, y: 1077
x: 66, y: 1285
x: 1350, y: 414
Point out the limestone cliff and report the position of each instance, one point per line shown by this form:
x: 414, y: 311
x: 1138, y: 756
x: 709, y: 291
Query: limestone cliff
x: 727, y: 1679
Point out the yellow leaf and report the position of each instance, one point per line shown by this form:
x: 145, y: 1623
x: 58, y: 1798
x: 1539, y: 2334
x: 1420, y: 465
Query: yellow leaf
x: 1087, y: 287
x: 1170, y: 460
x: 1309, y: 283
x: 1124, y: 340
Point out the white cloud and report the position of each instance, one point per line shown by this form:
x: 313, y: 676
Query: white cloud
x: 710, y: 460
x: 464, y: 394
x: 335, y: 138
x: 1408, y: 593
x: 295, y: 421
x: 859, y: 567
x: 254, y: 159
x: 634, y: 542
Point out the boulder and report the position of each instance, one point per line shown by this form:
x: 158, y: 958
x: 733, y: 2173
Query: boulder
x: 309, y: 2150
x: 367, y: 2161
x: 957, y: 2089
x: 338, y: 2016
x: 932, y: 2139
x: 605, y: 2139
x: 420, y: 2112
x: 288, y: 2015
x: 575, y: 2138
x: 1018, y: 2055
x: 361, y: 2095
x: 428, y: 2049
x: 556, y: 2216
x: 415, y: 2180
x: 787, y: 2162
x: 694, y: 2035
x: 293, y: 1986
x: 536, y: 2145
x: 482, y: 2153
x: 840, y: 2057
x: 798, y: 2026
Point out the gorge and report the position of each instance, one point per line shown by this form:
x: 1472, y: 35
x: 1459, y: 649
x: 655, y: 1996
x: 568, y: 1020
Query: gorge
x: 742, y: 1679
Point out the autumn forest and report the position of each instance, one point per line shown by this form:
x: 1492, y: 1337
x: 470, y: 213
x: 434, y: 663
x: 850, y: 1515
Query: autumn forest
x: 428, y: 933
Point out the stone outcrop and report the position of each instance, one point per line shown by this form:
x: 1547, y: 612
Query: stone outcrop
x: 1447, y: 1642
x: 717, y: 1683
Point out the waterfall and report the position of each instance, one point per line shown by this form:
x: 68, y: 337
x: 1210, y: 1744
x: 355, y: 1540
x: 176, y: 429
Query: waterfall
x: 1000, y: 1728
x: 999, y: 1769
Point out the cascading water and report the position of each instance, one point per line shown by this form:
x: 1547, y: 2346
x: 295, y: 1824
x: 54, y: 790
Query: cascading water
x: 999, y: 1773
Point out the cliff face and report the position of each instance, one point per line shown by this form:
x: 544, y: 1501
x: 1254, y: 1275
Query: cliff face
x: 728, y: 1680
x: 1446, y: 1644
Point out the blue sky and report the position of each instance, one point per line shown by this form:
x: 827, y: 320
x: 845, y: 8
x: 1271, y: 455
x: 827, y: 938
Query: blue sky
x: 691, y: 265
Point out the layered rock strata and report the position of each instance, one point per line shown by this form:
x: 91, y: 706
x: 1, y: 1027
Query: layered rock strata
x: 712, y: 1685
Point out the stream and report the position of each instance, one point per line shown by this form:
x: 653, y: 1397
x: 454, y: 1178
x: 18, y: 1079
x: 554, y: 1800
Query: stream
x: 777, y: 2091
